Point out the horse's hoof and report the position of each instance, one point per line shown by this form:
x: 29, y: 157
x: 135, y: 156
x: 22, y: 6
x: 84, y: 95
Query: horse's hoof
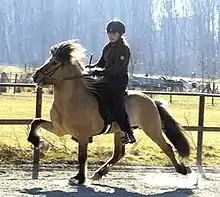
x: 183, y: 169
x: 41, y: 144
x: 96, y: 176
x: 188, y: 170
x: 76, y: 180
x: 35, y: 140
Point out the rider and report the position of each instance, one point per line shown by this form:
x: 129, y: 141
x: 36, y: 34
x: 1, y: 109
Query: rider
x: 114, y: 61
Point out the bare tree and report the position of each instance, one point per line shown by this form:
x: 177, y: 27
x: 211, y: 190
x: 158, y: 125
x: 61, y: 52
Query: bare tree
x: 164, y: 39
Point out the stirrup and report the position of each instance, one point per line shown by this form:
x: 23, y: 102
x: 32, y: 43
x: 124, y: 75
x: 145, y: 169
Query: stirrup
x: 128, y: 139
x: 106, y: 129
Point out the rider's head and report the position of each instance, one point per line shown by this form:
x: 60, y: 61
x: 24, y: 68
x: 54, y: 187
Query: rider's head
x: 115, y: 29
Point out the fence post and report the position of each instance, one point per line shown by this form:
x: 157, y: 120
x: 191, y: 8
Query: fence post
x: 200, y: 131
x: 171, y: 99
x: 38, y: 103
x: 38, y: 115
x: 36, y: 150
x: 16, y: 78
x: 213, y: 92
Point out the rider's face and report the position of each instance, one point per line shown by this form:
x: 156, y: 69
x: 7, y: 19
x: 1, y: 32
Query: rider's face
x: 113, y: 37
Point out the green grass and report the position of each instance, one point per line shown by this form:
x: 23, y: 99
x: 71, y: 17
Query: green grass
x: 15, y: 148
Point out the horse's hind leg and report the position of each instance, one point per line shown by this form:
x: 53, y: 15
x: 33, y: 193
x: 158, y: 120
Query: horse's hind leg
x: 180, y: 168
x: 156, y: 135
x: 35, y: 124
x: 119, y: 152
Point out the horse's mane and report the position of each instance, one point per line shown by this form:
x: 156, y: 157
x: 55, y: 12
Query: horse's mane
x: 71, y: 52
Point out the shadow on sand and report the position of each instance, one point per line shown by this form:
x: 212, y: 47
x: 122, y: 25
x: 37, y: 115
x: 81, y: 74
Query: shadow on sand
x: 84, y: 191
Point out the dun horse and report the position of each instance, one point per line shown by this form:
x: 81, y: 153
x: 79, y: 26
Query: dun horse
x: 75, y: 112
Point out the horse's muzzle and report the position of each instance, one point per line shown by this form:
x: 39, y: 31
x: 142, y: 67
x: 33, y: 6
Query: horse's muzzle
x: 38, y: 78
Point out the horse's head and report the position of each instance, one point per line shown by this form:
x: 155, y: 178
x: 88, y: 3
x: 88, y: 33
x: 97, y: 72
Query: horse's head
x: 66, y: 59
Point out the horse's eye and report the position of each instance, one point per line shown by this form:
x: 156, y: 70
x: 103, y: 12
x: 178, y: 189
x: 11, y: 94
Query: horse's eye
x: 53, y: 63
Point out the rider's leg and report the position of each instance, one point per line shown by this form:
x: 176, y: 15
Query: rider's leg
x: 103, y: 108
x: 119, y: 113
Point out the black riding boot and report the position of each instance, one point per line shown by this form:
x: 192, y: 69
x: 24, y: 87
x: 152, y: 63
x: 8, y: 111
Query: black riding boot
x: 126, y: 128
x: 124, y: 124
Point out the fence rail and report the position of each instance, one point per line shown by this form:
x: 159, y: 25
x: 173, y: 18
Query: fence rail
x: 200, y: 128
x: 181, y: 94
x: 24, y: 85
x: 15, y: 121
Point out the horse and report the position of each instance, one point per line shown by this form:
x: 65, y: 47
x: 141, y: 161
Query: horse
x: 75, y: 112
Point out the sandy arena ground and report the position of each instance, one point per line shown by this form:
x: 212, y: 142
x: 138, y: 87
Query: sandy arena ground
x: 121, y: 181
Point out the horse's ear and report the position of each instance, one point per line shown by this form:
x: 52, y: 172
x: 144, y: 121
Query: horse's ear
x: 71, y: 41
x: 53, y: 50
x: 75, y: 40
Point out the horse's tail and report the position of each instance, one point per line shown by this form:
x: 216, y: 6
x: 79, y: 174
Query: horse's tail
x: 173, y: 131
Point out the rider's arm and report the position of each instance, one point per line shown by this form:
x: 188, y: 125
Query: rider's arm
x: 101, y: 62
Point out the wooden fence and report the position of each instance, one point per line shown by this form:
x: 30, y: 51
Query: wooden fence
x: 200, y: 128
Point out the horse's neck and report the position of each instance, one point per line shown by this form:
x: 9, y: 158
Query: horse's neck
x: 70, y: 92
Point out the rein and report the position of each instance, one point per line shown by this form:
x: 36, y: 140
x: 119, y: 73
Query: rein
x: 76, y: 77
x: 50, y: 73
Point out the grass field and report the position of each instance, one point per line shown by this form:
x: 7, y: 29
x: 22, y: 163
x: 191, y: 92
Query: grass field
x: 15, y: 148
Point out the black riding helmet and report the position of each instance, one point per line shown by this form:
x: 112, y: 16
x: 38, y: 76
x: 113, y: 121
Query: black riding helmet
x: 116, y: 26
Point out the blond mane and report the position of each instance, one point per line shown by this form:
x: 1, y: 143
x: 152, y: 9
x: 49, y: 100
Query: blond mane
x: 70, y: 52
x: 73, y: 53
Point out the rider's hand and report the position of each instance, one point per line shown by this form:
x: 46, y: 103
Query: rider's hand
x: 90, y: 66
x: 97, y: 73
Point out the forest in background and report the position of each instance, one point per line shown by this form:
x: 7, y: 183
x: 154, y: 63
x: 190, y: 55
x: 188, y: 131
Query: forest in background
x: 167, y: 37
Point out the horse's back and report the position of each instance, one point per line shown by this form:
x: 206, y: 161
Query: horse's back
x: 138, y: 96
x: 143, y: 112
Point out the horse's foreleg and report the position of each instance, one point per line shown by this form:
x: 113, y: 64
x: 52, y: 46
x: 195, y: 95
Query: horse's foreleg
x: 36, y: 124
x: 119, y: 152
x: 82, y: 158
